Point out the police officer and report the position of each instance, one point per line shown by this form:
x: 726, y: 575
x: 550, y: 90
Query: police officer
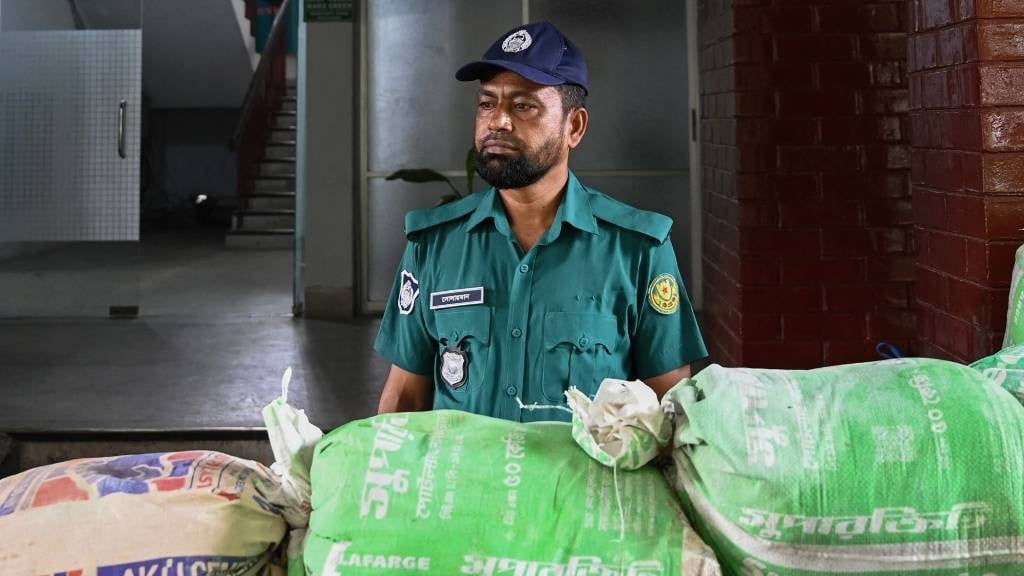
x: 516, y: 293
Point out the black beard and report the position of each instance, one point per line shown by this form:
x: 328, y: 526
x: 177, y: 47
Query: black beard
x: 506, y: 173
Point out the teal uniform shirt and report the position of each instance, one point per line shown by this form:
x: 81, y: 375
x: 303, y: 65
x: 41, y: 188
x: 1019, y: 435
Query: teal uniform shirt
x: 599, y: 296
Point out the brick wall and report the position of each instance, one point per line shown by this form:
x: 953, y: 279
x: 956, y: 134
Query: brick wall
x: 719, y: 158
x: 967, y: 115
x: 807, y: 213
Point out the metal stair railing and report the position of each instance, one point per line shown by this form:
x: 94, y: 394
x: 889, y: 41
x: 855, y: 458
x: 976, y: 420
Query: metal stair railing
x: 262, y: 100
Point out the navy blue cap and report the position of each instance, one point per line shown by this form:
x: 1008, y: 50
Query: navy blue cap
x: 537, y: 52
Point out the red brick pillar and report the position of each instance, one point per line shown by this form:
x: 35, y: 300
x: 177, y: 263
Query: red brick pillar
x: 805, y: 151
x: 719, y: 158
x: 967, y: 92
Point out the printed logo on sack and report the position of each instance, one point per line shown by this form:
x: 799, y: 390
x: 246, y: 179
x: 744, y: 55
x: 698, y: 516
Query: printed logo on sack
x: 140, y: 474
x: 894, y: 520
x: 381, y: 480
x: 95, y: 478
x: 174, y: 565
x: 190, y: 565
x: 86, y: 479
x: 576, y: 565
x: 340, y: 556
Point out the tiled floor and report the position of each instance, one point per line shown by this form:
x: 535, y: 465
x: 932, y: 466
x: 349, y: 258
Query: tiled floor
x: 207, y: 351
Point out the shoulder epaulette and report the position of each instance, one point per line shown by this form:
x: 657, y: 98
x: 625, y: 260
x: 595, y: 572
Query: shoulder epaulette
x: 419, y: 220
x: 656, y: 226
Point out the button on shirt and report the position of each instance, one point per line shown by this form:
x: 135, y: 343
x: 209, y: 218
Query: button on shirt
x: 598, y: 296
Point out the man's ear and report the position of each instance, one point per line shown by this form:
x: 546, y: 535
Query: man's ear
x: 576, y: 127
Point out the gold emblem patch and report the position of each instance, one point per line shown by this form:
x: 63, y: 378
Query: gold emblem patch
x: 664, y: 294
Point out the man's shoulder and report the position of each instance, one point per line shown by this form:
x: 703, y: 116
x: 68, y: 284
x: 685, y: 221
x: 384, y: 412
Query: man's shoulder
x: 418, y: 221
x: 617, y: 213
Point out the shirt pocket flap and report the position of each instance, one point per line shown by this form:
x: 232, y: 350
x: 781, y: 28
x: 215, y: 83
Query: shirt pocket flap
x: 453, y: 326
x: 583, y: 331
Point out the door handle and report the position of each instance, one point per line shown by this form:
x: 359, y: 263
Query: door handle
x: 121, y: 111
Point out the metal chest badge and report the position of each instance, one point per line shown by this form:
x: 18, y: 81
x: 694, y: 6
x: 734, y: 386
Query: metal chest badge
x: 454, y: 366
x: 663, y: 294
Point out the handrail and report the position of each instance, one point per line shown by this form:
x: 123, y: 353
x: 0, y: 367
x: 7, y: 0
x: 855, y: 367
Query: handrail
x: 262, y: 100
x: 262, y: 69
x: 77, y: 15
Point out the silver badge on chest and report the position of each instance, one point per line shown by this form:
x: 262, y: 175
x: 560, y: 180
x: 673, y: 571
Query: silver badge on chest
x: 454, y: 367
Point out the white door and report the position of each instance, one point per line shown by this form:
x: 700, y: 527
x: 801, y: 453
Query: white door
x: 70, y: 88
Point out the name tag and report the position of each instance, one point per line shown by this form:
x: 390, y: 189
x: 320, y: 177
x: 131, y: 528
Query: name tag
x: 453, y: 298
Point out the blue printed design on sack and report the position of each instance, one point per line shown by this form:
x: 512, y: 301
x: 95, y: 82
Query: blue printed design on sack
x: 11, y: 503
x: 131, y: 474
x: 190, y: 565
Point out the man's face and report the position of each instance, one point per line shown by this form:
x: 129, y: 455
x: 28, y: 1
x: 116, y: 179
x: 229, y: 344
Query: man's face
x: 520, y: 131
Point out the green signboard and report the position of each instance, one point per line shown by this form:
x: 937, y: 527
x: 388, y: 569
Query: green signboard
x: 329, y: 10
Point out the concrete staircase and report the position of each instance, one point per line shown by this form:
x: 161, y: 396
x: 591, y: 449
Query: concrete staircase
x: 268, y: 220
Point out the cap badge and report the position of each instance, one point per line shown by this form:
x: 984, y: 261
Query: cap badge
x: 517, y: 41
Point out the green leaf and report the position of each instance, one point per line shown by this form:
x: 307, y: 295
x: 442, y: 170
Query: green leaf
x: 421, y: 175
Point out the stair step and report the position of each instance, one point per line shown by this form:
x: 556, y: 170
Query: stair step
x: 282, y: 135
x: 267, y: 239
x: 283, y: 169
x: 281, y: 194
x: 273, y: 185
x: 282, y: 176
x: 263, y: 232
x: 287, y: 113
x: 263, y: 220
x: 284, y: 120
x: 268, y: 212
x: 271, y: 202
x: 282, y: 153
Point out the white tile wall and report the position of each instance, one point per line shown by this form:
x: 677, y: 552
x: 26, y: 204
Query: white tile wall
x: 61, y: 178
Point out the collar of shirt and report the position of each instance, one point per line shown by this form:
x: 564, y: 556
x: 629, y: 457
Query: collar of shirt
x: 574, y: 210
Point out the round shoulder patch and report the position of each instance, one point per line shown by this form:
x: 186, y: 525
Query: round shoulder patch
x: 663, y: 294
x: 408, y: 293
x: 517, y: 41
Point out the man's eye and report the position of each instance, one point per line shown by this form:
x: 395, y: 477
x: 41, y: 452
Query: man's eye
x: 486, y: 105
x: 522, y: 106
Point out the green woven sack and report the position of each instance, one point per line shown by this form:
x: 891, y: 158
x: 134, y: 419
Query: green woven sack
x: 449, y: 492
x: 1005, y: 368
x: 906, y: 466
x: 1015, y: 312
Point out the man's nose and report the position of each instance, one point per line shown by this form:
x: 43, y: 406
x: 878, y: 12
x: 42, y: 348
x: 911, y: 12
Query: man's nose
x: 500, y: 120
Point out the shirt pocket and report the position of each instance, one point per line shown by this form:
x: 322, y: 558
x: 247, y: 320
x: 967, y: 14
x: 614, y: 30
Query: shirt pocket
x: 469, y: 330
x: 577, y: 352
